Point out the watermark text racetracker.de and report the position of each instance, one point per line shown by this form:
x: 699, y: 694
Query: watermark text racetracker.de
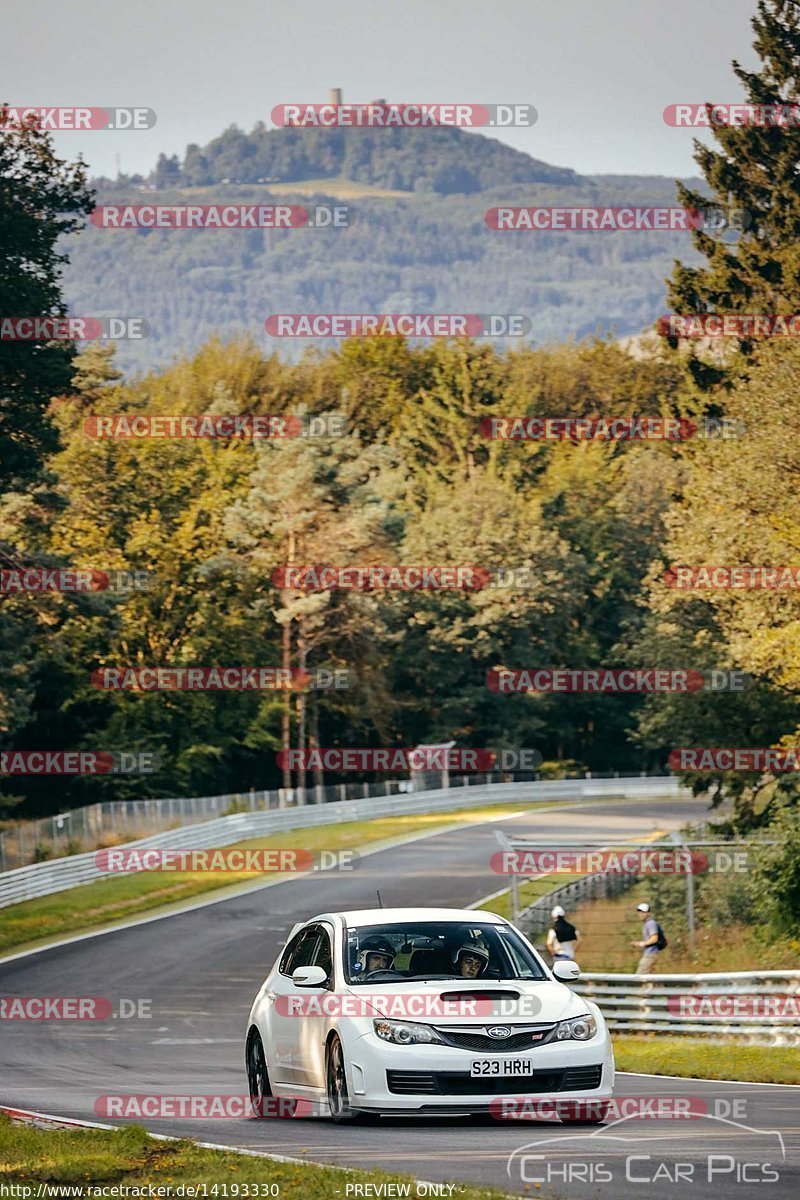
x: 74, y: 1008
x: 69, y: 580
x: 709, y: 116
x: 73, y: 329
x: 221, y: 216
x: 760, y: 759
x: 729, y: 325
x: 421, y: 115
x: 598, y: 681
x: 593, y: 860
x: 607, y: 429
x: 78, y: 762
x: 57, y: 119
x: 404, y: 577
x: 139, y: 426
x: 239, y: 860
x: 619, y: 1107
x: 220, y: 679
x: 201, y: 1107
x: 609, y: 219
x: 733, y: 576
x: 412, y: 325
x: 419, y: 758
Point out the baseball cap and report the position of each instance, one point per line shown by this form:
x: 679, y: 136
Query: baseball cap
x: 643, y: 908
x: 558, y: 911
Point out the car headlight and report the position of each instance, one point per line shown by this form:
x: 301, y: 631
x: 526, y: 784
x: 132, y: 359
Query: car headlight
x: 580, y: 1029
x: 405, y: 1033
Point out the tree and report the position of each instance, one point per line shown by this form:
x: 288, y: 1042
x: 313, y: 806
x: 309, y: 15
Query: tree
x: 42, y: 199
x: 739, y: 506
x: 755, y: 169
x: 168, y: 172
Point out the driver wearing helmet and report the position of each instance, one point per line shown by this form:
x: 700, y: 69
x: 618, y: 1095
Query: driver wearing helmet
x: 470, y: 959
x: 376, y: 954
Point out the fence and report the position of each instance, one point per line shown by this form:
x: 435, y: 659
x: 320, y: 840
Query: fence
x: 42, y: 879
x: 108, y: 822
x: 757, y: 1006
x: 536, y: 918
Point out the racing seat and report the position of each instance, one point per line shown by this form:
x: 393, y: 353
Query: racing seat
x: 429, y: 961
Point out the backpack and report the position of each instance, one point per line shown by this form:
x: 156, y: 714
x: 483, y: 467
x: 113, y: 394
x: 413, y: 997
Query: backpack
x: 662, y: 942
x: 564, y: 931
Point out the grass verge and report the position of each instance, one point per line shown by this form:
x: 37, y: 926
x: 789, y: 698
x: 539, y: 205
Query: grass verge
x: 704, y: 1058
x: 94, y: 905
x: 128, y: 1157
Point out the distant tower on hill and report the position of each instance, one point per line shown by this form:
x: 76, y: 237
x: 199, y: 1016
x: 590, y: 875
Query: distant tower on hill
x: 335, y: 96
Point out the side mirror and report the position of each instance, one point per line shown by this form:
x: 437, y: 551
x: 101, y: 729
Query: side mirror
x: 566, y: 971
x: 309, y: 977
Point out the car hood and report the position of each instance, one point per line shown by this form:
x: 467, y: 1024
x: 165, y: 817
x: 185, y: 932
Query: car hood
x: 471, y: 1002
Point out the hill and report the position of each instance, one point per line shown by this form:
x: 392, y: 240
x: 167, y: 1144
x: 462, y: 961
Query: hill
x: 417, y: 241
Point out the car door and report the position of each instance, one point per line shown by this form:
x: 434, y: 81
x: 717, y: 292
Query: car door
x: 281, y: 1027
x: 292, y: 1034
x: 311, y: 1039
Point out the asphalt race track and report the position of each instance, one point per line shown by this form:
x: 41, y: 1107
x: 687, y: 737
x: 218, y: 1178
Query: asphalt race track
x: 201, y: 970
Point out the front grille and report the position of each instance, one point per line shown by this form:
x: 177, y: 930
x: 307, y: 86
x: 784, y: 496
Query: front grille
x: 468, y: 1039
x: 457, y: 1083
x: 581, y: 1079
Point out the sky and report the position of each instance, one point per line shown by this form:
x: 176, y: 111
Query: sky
x: 599, y: 72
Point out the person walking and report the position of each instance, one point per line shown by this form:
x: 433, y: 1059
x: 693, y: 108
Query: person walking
x: 653, y: 940
x: 563, y: 939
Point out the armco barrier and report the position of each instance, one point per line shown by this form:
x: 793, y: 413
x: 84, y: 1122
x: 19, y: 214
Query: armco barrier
x: 42, y: 879
x: 654, y: 1004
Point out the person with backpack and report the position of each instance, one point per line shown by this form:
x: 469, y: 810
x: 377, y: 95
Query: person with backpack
x: 653, y: 940
x: 563, y: 939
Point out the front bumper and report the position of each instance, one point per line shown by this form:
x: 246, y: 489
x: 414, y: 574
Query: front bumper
x: 387, y: 1078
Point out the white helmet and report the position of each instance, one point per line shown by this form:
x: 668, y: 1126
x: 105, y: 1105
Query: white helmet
x: 558, y: 911
x: 476, y: 949
x: 375, y: 945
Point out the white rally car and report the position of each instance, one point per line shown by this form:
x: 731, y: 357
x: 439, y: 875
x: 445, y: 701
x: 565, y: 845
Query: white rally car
x: 422, y: 1010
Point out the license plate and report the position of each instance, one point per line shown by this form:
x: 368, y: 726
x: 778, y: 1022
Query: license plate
x: 499, y: 1067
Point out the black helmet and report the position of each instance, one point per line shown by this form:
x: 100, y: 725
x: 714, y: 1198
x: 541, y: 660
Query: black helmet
x: 474, y: 948
x: 375, y: 945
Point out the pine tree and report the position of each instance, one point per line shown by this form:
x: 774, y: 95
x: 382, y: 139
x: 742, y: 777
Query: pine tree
x: 756, y: 169
x: 42, y: 199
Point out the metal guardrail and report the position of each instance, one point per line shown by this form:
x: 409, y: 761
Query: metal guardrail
x: 43, y: 879
x: 669, y: 1004
x: 23, y: 842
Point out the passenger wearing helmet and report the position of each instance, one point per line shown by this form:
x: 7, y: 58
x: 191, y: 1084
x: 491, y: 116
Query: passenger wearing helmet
x: 376, y: 954
x: 563, y: 939
x: 471, y: 959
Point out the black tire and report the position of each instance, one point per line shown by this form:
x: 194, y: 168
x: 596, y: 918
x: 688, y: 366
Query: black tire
x: 336, y: 1088
x: 257, y: 1074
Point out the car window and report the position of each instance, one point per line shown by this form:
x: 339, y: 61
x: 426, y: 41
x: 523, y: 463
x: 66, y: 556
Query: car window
x: 434, y: 950
x: 323, y: 955
x: 307, y: 950
x: 295, y: 954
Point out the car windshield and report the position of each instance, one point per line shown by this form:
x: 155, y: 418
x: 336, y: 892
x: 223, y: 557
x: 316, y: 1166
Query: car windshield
x: 471, y: 950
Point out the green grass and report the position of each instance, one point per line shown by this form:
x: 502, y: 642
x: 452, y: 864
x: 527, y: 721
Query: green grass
x: 528, y: 892
x: 129, y: 1157
x: 704, y: 1058
x: 119, y: 898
